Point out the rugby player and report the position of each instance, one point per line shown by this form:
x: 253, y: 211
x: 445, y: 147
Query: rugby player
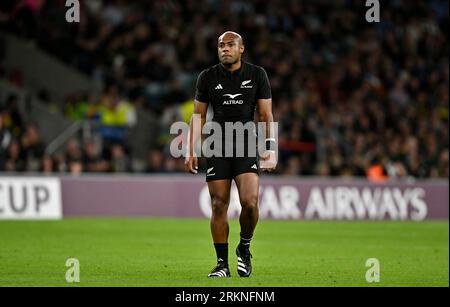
x: 234, y: 89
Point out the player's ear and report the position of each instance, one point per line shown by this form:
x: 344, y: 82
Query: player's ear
x: 242, y: 48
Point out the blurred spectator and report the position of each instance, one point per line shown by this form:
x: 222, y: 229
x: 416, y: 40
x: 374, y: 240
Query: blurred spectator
x: 292, y: 167
x: 116, y: 115
x: 92, y: 160
x: 155, y: 162
x: 376, y: 171
x: 60, y: 162
x: 443, y: 166
x: 75, y: 167
x: 12, y: 118
x: 120, y: 163
x: 5, y: 140
x: 48, y: 165
x: 170, y: 165
x: 82, y: 108
x: 32, y: 146
x: 15, y: 161
x: 73, y: 151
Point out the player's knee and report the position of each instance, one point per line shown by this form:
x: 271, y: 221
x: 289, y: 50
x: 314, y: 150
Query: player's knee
x: 219, y: 206
x: 249, y: 203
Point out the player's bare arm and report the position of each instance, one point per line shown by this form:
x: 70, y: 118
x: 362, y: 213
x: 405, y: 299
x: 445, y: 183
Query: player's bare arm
x: 268, y: 159
x: 191, y: 162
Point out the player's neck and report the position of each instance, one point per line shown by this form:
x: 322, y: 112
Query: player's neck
x: 233, y: 67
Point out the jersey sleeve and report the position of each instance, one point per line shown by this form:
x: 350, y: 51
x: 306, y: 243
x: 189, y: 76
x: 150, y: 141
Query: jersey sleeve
x: 263, y: 90
x: 201, y: 90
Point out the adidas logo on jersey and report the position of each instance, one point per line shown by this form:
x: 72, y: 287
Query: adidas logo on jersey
x: 254, y: 166
x: 219, y: 87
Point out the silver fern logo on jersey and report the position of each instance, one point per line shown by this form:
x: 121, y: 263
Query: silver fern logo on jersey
x: 245, y: 83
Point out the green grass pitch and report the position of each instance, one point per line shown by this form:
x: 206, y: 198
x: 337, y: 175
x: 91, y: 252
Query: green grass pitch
x: 179, y: 252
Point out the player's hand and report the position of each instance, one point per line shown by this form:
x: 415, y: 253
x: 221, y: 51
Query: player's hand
x: 191, y: 165
x: 268, y: 161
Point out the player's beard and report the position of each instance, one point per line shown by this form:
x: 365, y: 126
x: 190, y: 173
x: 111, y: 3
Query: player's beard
x: 228, y: 61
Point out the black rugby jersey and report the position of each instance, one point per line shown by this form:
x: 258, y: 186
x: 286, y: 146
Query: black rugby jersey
x: 233, y: 96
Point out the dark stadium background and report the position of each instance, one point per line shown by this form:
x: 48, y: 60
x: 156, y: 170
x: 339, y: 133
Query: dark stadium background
x: 85, y: 112
x: 352, y: 98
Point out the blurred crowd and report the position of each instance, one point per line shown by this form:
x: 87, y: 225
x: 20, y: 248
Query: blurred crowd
x: 352, y: 98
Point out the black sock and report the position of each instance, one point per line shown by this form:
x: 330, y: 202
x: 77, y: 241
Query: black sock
x: 221, y: 252
x: 244, y: 244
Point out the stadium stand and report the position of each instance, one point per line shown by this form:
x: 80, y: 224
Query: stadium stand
x: 352, y: 98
